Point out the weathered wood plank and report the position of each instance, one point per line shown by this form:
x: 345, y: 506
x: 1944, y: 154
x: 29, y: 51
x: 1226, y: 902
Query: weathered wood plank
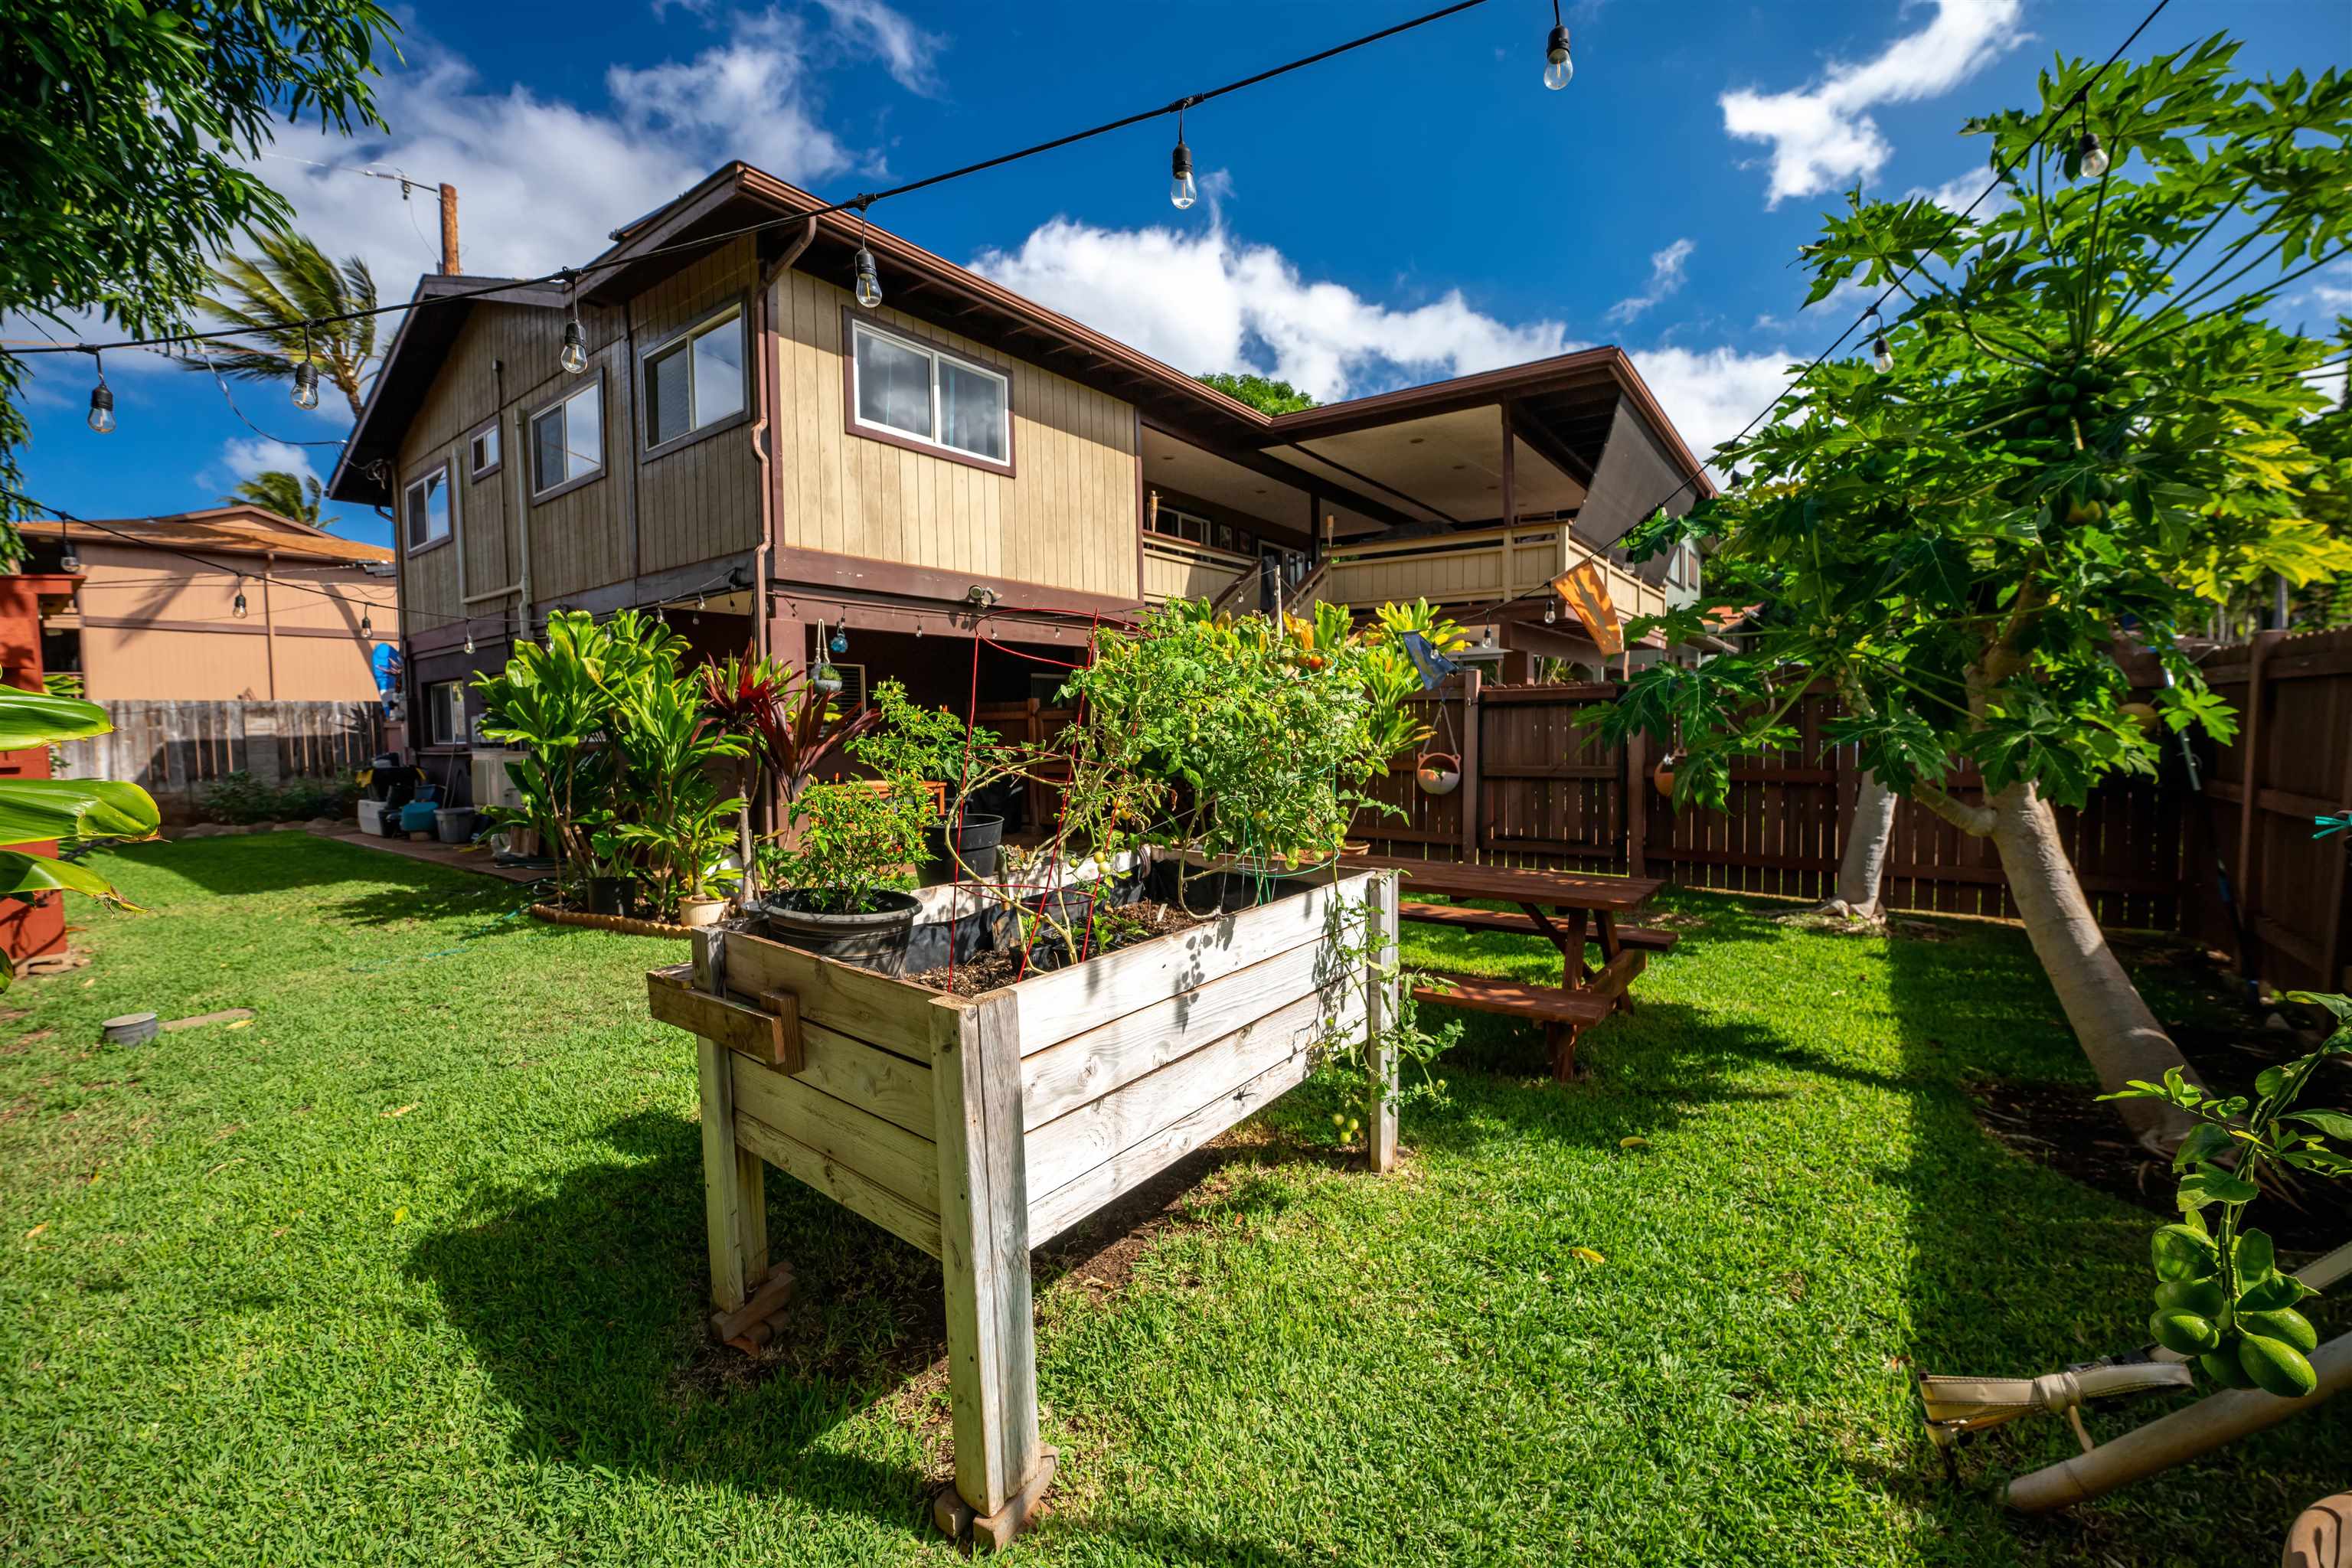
x: 1088, y: 995
x: 850, y: 1189
x: 721, y: 1177
x: 672, y: 999
x: 1381, y: 984
x: 854, y: 1002
x: 985, y: 1251
x: 1066, y: 1148
x: 878, y: 1149
x: 1054, y: 1211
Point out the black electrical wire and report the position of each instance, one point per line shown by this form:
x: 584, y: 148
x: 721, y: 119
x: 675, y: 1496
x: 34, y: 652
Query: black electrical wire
x: 858, y: 203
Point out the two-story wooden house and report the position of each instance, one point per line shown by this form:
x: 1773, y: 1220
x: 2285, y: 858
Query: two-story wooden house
x: 733, y: 438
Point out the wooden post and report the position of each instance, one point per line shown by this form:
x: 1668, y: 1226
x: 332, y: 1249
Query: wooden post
x: 2250, y: 777
x: 1472, y: 784
x: 1381, y: 996
x: 1001, y: 1470
x: 1510, y: 495
x: 1636, y: 814
x: 734, y: 1181
x: 449, y: 230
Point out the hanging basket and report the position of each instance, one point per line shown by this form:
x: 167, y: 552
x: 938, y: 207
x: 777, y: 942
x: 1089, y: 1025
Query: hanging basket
x: 1438, y: 773
x: 1664, y: 776
x: 827, y: 681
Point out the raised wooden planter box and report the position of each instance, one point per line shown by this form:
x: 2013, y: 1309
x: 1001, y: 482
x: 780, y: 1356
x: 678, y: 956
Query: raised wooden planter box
x: 980, y: 1128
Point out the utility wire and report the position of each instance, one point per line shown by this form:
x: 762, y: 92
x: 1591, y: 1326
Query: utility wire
x: 569, y: 276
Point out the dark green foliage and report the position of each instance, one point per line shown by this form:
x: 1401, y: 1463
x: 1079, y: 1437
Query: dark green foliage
x: 1261, y: 393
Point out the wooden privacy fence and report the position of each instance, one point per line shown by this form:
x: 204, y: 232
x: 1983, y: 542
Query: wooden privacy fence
x: 1537, y: 789
x: 173, y: 750
x: 2292, y: 761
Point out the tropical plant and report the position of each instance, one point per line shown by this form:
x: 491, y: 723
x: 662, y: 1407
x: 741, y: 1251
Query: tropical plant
x: 271, y: 296
x: 128, y: 135
x: 853, y: 837
x: 660, y: 745
x: 296, y: 496
x: 2221, y: 1297
x: 1264, y: 394
x: 2078, y: 429
x: 38, y: 811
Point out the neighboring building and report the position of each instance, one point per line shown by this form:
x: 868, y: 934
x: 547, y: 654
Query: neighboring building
x: 750, y: 451
x: 157, y: 615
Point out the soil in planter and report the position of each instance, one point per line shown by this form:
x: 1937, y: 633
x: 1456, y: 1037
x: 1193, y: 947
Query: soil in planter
x: 1138, y: 921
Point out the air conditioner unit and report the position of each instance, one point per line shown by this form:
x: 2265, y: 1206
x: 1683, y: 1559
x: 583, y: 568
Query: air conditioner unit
x: 491, y: 784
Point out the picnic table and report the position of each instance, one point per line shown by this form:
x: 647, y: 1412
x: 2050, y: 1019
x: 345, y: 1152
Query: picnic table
x: 1569, y: 909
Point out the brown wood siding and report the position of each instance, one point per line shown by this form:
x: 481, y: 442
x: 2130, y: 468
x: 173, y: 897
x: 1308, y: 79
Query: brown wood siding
x: 701, y: 499
x: 1066, y: 518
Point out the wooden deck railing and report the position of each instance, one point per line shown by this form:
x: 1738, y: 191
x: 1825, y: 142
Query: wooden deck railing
x: 1485, y: 566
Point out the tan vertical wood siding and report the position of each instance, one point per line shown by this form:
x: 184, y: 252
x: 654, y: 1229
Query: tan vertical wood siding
x: 1065, y: 519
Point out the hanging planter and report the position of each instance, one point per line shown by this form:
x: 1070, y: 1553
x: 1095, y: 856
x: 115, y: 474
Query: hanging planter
x: 827, y: 680
x: 1438, y: 773
x: 1663, y: 776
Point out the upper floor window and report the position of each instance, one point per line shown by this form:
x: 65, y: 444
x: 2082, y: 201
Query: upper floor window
x: 930, y: 396
x: 696, y: 379
x: 445, y: 713
x: 482, y: 452
x: 567, y: 440
x: 425, y: 508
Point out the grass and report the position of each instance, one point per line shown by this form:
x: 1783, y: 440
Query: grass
x: 409, y: 1270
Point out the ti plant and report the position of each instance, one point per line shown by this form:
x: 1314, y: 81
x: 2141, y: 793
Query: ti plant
x: 2221, y: 1297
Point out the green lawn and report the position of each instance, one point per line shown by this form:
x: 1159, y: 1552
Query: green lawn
x: 410, y: 1270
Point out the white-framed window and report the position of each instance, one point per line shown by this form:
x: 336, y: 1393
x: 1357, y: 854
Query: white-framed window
x: 930, y: 396
x: 482, y: 452
x: 445, y: 713
x: 425, y: 509
x: 696, y: 379
x: 567, y: 440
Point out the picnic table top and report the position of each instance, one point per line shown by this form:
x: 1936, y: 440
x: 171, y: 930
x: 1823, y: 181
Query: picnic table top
x: 1552, y: 889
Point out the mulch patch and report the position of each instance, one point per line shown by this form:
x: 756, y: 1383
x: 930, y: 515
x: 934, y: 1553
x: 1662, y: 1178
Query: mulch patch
x: 1126, y: 924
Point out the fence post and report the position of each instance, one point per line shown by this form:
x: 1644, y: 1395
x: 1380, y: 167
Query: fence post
x: 1636, y: 812
x: 2250, y: 776
x: 1474, y: 785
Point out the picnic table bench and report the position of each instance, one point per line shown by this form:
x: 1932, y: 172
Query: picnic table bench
x: 1567, y: 909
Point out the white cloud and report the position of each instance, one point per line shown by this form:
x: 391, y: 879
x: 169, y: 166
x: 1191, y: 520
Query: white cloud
x: 1666, y: 277
x: 910, y: 52
x: 250, y: 457
x: 1202, y: 301
x: 1822, y: 135
x: 1710, y: 393
x: 1955, y: 195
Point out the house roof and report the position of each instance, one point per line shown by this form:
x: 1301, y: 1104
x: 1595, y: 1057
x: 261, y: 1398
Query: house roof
x: 237, y: 530
x: 1561, y: 407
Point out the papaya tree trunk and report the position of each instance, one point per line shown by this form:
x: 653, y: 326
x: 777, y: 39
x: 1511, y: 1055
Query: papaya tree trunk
x: 1863, y: 866
x: 2117, y: 1033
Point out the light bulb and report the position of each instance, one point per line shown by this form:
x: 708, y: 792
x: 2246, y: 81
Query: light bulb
x: 1882, y: 358
x: 1551, y: 612
x: 700, y: 601
x: 2091, y: 158
x: 469, y: 642
x: 869, y: 282
x: 306, y: 386
x: 239, y: 606
x: 575, y: 347
x: 367, y: 624
x: 69, y: 563
x: 1558, y: 69
x: 1181, y: 189
x: 101, y: 408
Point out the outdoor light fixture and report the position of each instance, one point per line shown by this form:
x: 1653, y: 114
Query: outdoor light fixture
x: 1551, y: 612
x: 1181, y: 189
x: 469, y: 642
x: 1882, y: 357
x: 574, y: 358
x: 305, y: 377
x: 2090, y: 157
x: 367, y: 624
x: 101, y: 400
x: 239, y: 607
x: 870, y: 279
x: 1558, y: 69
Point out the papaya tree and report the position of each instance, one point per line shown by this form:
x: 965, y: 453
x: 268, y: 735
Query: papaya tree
x: 2074, y: 423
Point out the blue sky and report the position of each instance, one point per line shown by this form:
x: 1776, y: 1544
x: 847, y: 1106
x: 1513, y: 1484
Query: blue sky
x: 1418, y: 209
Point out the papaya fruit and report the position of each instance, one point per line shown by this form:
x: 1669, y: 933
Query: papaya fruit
x: 2184, y: 1333
x: 2063, y: 391
x: 2283, y: 1324
x: 2038, y: 427
x: 2181, y: 1253
x: 2202, y: 1297
x: 2223, y: 1368
x: 2276, y: 1366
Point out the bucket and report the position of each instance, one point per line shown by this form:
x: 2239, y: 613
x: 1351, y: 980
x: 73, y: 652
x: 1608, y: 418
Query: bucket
x: 697, y: 912
x: 875, y: 939
x: 129, y: 1029
x: 454, y: 824
x: 977, y: 841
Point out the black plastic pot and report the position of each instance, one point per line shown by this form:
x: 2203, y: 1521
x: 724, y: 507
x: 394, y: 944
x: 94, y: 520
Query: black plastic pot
x: 873, y: 938
x: 977, y: 841
x: 613, y: 895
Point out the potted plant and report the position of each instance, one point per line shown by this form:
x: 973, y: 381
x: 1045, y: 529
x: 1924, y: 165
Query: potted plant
x: 930, y: 750
x: 849, y: 839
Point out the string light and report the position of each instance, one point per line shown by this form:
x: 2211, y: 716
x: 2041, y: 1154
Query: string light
x: 68, y: 561
x: 306, y: 376
x: 239, y: 607
x: 870, y: 279
x: 2090, y: 157
x: 367, y: 624
x: 101, y: 399
x: 1551, y: 612
x: 574, y: 358
x: 1558, y: 69
x: 1181, y: 189
x: 469, y: 642
x: 1882, y: 356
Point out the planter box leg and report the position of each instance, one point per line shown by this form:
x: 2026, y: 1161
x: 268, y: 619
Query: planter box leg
x: 1000, y: 1469
x: 734, y: 1197
x: 1379, y: 1011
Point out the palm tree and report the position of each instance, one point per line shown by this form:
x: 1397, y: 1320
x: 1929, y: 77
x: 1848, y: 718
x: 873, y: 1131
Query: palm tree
x: 297, y: 496
x: 269, y: 296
